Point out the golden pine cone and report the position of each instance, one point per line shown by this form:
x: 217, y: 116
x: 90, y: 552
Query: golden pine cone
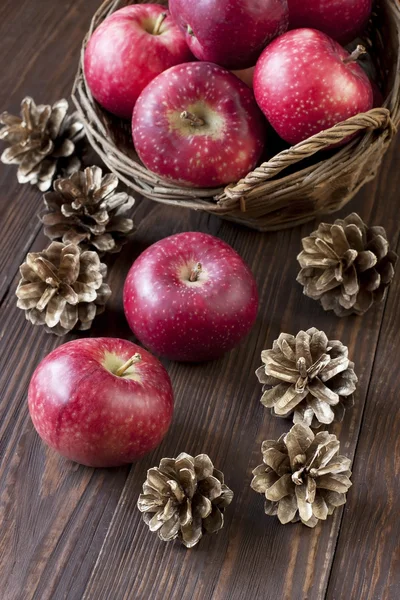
x: 309, y: 377
x: 43, y: 142
x: 86, y: 209
x: 346, y: 265
x: 302, y: 477
x: 62, y: 288
x: 184, y: 498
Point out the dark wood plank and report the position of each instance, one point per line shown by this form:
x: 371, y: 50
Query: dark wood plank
x: 40, y: 44
x: 371, y: 528
x: 217, y: 411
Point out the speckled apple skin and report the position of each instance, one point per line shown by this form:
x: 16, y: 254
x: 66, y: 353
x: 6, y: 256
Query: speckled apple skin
x: 231, y: 33
x: 342, y: 20
x: 303, y: 87
x: 190, y: 321
x: 224, y: 151
x: 93, y: 417
x: 121, y: 57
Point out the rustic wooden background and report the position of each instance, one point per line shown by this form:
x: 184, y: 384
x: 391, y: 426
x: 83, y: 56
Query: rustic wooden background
x: 72, y: 532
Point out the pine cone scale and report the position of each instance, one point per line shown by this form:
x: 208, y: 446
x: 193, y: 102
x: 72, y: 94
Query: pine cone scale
x: 263, y: 480
x: 290, y: 399
x: 185, y: 512
x: 69, y: 317
x: 322, y: 392
x: 47, y: 295
x: 339, y: 483
x: 192, y: 533
x: 339, y: 241
x: 169, y: 529
x: 287, y: 509
x: 280, y: 488
x: 277, y: 461
x: 214, y: 521
x: 334, y: 367
x: 54, y: 310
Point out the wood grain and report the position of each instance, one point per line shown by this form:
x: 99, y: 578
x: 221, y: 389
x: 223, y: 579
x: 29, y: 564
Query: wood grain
x: 68, y: 532
x: 371, y: 527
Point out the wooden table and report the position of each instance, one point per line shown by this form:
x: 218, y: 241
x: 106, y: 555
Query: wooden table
x: 72, y: 532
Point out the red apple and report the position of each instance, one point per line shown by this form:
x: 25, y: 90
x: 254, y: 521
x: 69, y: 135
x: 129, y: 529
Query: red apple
x: 129, y: 49
x: 190, y: 297
x: 306, y: 82
x: 198, y: 125
x: 101, y: 402
x: 342, y: 20
x: 231, y: 33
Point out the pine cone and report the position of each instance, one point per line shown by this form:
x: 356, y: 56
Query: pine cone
x: 86, y: 210
x: 184, y: 498
x: 347, y: 266
x: 309, y: 377
x: 62, y: 288
x: 43, y: 142
x: 303, y: 477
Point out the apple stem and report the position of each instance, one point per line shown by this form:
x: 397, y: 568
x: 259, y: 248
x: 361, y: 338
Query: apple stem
x: 193, y: 120
x: 355, y: 55
x: 133, y: 360
x: 159, y: 22
x: 194, y: 275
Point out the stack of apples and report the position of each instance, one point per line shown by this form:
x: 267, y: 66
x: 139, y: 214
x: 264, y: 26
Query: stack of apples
x: 200, y: 79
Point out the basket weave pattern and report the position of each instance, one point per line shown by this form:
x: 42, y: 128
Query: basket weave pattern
x: 297, y: 183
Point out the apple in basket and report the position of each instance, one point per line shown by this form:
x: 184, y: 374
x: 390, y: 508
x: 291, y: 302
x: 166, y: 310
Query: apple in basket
x: 231, y: 33
x: 198, y: 125
x: 306, y: 82
x: 129, y: 49
x: 342, y: 20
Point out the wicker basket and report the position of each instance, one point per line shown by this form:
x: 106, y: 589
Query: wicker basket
x: 296, y: 183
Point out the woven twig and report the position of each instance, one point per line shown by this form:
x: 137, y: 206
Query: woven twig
x: 284, y: 191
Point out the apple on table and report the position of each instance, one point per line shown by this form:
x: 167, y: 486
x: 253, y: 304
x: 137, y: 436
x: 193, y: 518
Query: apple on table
x: 129, y: 49
x: 306, y: 82
x: 190, y: 297
x: 101, y: 402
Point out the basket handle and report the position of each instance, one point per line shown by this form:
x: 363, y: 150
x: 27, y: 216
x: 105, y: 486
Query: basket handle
x: 377, y: 118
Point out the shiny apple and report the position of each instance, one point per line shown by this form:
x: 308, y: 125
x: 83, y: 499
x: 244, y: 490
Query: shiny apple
x: 342, y: 20
x: 231, y: 33
x: 306, y: 82
x: 129, y: 49
x: 198, y: 125
x: 101, y: 402
x: 190, y: 297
